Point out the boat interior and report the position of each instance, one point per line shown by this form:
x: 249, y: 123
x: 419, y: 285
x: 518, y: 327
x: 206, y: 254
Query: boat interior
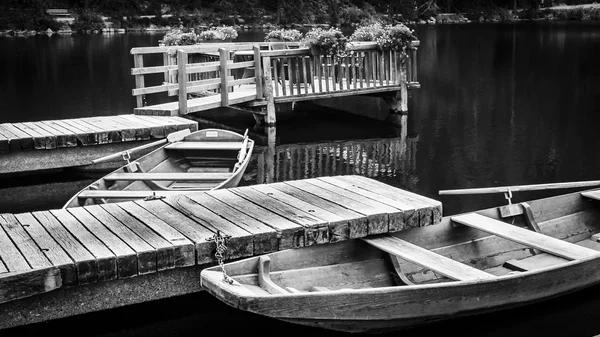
x: 485, y: 244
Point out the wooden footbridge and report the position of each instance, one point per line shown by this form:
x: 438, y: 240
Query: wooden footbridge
x: 256, y: 76
x: 63, y: 262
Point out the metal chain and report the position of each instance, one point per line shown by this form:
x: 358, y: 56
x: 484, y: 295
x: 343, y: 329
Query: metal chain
x: 220, y: 251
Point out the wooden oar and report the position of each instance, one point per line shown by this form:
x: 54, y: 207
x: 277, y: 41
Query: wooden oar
x: 172, y: 137
x: 504, y: 189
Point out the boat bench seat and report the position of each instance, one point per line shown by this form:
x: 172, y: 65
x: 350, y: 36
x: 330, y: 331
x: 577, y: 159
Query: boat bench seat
x: 205, y: 146
x: 124, y: 194
x: 427, y: 259
x: 174, y: 176
x: 592, y: 194
x: 524, y: 236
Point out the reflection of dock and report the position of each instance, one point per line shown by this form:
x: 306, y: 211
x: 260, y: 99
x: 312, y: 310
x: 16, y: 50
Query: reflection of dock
x: 64, y: 262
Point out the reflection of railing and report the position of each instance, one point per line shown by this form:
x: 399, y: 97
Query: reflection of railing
x: 387, y: 157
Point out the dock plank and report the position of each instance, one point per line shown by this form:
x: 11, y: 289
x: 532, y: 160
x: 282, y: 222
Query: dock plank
x: 14, y: 142
x: 186, y: 226
x: 23, y: 241
x: 241, y: 243
x: 17, y: 285
x: 4, y: 143
x: 105, y: 258
x: 10, y: 254
x: 113, y: 134
x: 51, y: 249
x: 291, y: 234
x: 49, y: 138
x: 316, y: 230
x: 39, y: 141
x: 410, y: 219
x: 375, y: 219
x: 173, y: 249
x: 86, y: 264
x: 265, y: 237
x: 337, y: 225
x: 155, y: 129
x: 146, y: 254
x: 25, y: 140
x: 63, y: 137
x: 127, y: 262
x: 85, y: 134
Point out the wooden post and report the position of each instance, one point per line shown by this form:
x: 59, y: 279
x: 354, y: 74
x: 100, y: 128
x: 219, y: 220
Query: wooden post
x: 182, y: 79
x: 258, y: 72
x: 224, y: 58
x: 268, y: 92
x: 138, y: 62
x: 399, y: 101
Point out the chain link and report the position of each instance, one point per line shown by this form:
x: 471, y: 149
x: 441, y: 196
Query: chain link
x: 220, y: 251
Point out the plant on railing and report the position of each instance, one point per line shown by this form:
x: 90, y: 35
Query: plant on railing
x: 224, y: 33
x: 331, y: 42
x: 180, y: 37
x: 283, y: 35
x: 397, y: 38
x: 367, y: 33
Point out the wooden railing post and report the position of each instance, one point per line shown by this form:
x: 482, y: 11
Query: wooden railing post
x: 182, y: 79
x: 224, y: 58
x: 138, y: 62
x: 258, y: 72
x: 268, y: 92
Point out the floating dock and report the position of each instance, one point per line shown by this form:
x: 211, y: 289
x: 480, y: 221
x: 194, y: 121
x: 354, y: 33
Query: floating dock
x: 78, y: 141
x: 64, y: 262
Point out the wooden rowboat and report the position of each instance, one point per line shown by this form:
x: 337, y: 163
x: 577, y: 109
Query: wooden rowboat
x: 203, y: 160
x: 468, y: 264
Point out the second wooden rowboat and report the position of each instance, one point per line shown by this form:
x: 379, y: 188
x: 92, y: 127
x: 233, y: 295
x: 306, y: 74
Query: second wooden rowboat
x: 203, y: 160
x: 472, y: 263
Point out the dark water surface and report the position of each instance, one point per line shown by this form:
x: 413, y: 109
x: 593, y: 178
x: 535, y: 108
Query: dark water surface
x: 499, y: 105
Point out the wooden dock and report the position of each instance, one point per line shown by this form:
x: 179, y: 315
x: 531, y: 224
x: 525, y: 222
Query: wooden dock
x: 78, y: 249
x: 255, y: 76
x: 78, y: 141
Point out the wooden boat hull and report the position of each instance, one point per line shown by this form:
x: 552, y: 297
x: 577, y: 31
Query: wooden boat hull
x: 185, y: 159
x: 348, y: 305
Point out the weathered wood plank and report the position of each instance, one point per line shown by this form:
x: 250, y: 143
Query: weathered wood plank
x: 127, y: 263
x: 17, y: 285
x: 146, y: 254
x: 105, y: 258
x: 186, y: 226
x: 103, y: 127
x: 4, y: 143
x: 48, y: 137
x: 536, y: 240
x: 86, y: 263
x: 64, y: 138
x: 50, y: 248
x: 376, y: 220
x: 357, y: 222
x: 173, y: 248
x: 39, y: 141
x: 291, y: 234
x: 10, y: 254
x: 14, y: 143
x: 395, y: 215
x: 265, y: 237
x: 409, y: 209
x: 25, y: 140
x: 84, y: 133
x: 102, y: 135
x: 316, y: 230
x: 23, y: 241
x: 154, y: 130
x: 337, y: 225
x: 241, y: 242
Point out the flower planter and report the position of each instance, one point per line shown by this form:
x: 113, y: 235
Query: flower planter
x: 315, y: 51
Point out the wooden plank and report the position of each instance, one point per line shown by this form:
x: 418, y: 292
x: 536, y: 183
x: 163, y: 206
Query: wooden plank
x: 423, y: 257
x: 4, y: 143
x: 103, y: 134
x: 127, y: 262
x: 204, y: 146
x: 539, y: 261
x: 196, y: 233
x: 39, y: 140
x: 86, y: 264
x: 85, y: 137
x: 240, y: 244
x: 316, y: 230
x: 10, y: 254
x: 291, y: 234
x: 377, y: 219
x: 14, y: 143
x: 265, y: 238
x: 154, y: 129
x: 173, y: 248
x: 25, y: 139
x: 23, y: 241
x: 592, y: 194
x: 125, y: 194
x: 529, y: 238
x: 146, y: 254
x: 57, y: 256
x: 409, y: 208
x: 106, y: 260
x: 138, y: 62
x: 337, y: 226
x: 64, y: 138
x: 105, y: 127
x: 396, y: 212
x: 139, y: 130
x: 357, y: 222
x: 17, y: 285
x: 49, y: 138
x: 183, y: 176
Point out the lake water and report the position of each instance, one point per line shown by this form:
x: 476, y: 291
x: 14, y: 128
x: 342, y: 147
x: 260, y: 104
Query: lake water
x: 499, y: 105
